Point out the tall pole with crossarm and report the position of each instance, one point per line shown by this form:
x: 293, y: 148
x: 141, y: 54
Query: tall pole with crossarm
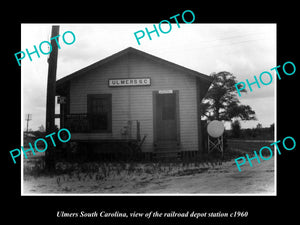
x: 28, y: 118
x: 51, y: 89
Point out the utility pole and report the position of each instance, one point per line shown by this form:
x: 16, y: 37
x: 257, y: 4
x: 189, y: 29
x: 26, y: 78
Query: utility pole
x: 51, y: 91
x: 28, y: 118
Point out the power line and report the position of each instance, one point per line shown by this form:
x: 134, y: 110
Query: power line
x: 230, y: 44
x: 236, y: 36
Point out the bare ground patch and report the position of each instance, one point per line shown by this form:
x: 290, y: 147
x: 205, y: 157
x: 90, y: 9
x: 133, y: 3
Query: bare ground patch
x: 149, y: 178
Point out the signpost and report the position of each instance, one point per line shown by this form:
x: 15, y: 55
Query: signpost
x: 165, y: 92
x: 215, y: 129
x: 61, y: 100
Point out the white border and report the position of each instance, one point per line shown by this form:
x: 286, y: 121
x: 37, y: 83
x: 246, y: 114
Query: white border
x: 157, y: 194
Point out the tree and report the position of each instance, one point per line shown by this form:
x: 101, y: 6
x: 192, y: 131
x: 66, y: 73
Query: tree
x: 259, y: 126
x: 271, y: 127
x: 236, y: 129
x: 221, y: 101
x: 41, y: 128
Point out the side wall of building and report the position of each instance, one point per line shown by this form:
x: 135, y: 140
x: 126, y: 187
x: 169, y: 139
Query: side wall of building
x: 136, y: 103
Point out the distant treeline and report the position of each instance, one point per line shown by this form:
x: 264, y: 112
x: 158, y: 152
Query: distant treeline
x: 31, y: 136
x: 257, y: 133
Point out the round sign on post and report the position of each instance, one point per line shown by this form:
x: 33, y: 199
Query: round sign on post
x: 215, y: 128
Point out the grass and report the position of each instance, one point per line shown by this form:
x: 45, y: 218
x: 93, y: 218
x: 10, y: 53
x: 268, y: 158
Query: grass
x: 248, y: 147
x: 104, y: 174
x: 101, y: 171
x: 125, y: 177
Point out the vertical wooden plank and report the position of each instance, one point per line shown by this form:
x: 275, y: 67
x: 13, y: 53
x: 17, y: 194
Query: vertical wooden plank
x: 177, y: 117
x: 200, y: 136
x: 138, y: 132
x: 154, y: 94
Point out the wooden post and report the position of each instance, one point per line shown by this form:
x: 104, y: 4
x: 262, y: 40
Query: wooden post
x: 138, y: 131
x: 50, y: 105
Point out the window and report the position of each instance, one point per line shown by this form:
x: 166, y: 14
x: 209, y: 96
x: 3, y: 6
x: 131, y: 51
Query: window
x: 99, y: 112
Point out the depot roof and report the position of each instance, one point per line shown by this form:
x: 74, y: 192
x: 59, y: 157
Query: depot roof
x: 131, y: 50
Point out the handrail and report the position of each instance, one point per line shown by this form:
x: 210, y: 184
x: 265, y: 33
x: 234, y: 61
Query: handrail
x: 79, y: 122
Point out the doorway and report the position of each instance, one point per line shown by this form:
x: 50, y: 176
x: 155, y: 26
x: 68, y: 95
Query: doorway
x: 166, y: 117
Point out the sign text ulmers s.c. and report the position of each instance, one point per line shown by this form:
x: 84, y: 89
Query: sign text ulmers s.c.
x: 129, y: 82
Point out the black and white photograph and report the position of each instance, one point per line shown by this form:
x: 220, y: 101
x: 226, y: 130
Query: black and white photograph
x: 164, y: 109
x: 146, y: 113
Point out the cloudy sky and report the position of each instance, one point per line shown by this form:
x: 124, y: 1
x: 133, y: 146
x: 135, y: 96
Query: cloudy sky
x: 242, y: 49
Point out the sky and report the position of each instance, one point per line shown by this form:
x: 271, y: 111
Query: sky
x: 244, y: 50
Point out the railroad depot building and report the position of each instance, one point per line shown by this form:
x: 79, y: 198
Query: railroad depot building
x: 132, y: 96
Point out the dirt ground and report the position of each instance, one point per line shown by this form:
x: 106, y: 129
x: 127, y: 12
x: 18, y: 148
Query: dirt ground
x: 160, y: 179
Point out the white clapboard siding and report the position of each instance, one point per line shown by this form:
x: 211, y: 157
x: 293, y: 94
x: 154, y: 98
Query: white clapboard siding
x: 136, y: 103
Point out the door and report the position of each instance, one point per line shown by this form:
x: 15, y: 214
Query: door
x: 166, y: 117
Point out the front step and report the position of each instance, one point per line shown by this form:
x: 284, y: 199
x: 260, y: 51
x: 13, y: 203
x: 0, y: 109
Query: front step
x: 167, y: 150
x: 166, y: 146
x: 167, y: 154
